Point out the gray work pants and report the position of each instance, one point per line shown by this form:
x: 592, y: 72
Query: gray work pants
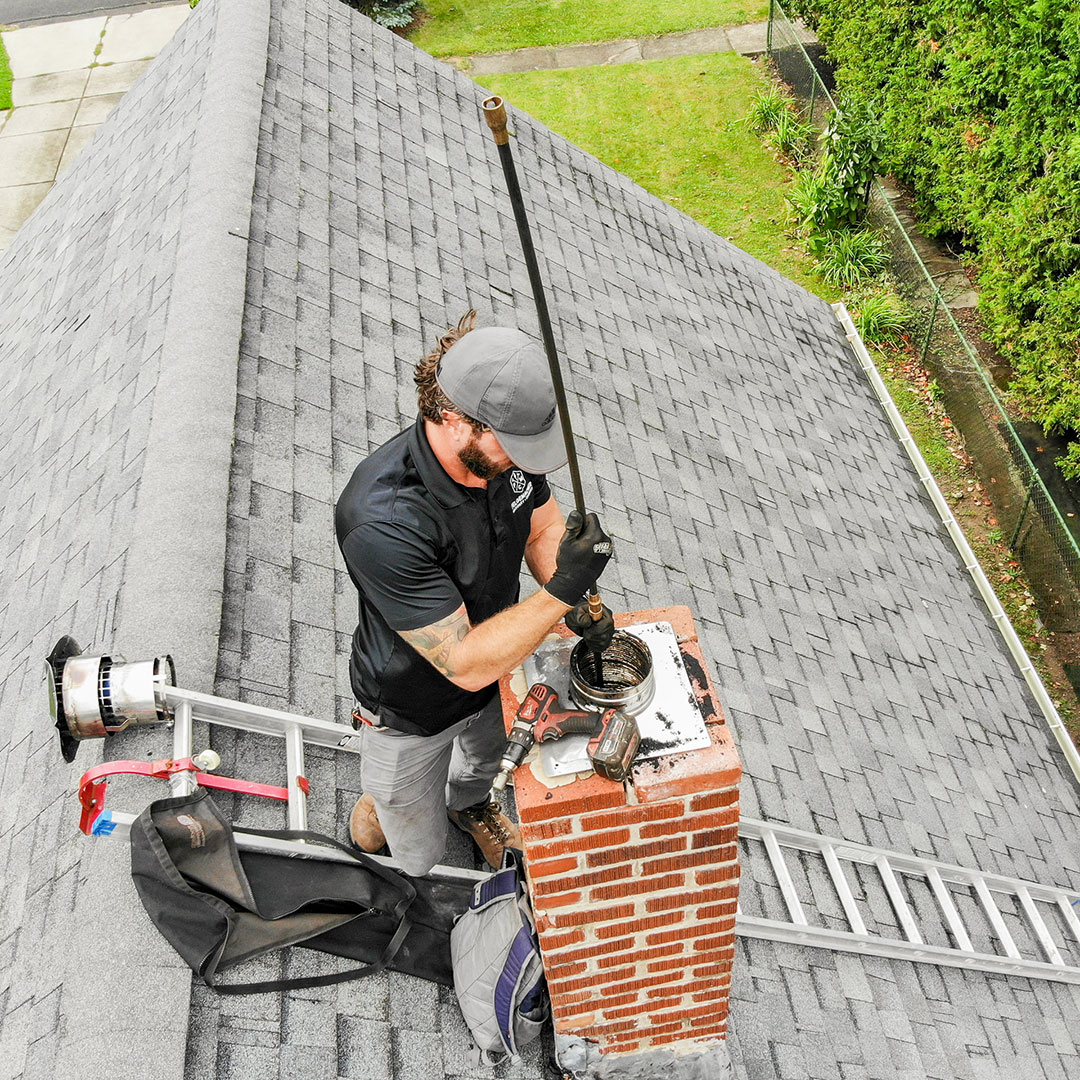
x: 414, y: 778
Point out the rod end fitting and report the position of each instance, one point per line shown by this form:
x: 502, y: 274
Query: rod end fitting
x: 495, y: 115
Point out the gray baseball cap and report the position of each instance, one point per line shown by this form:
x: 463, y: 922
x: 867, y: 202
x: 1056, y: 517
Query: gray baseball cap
x: 500, y: 376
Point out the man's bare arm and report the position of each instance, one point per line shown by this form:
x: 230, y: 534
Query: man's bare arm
x: 546, y: 529
x: 474, y: 657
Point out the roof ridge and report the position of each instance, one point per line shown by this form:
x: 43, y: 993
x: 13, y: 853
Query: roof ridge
x: 196, y: 392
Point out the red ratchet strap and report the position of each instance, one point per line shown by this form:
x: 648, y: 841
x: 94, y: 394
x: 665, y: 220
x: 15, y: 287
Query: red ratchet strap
x: 92, y: 785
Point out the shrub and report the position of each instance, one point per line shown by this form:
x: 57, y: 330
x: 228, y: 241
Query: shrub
x: 979, y: 109
x: 392, y: 14
x: 766, y: 109
x: 834, y: 196
x: 849, y: 259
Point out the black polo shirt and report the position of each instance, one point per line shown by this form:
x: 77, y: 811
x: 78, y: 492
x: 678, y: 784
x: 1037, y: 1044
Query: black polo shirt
x: 418, y: 545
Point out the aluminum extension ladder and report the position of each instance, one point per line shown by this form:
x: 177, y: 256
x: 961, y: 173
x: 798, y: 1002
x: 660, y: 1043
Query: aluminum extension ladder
x: 950, y: 887
x: 184, y: 773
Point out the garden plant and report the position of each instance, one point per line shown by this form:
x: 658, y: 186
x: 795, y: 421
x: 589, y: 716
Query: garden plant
x: 979, y: 109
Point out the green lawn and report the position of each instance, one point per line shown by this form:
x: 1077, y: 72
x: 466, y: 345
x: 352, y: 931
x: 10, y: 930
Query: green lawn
x: 462, y: 27
x: 5, y: 78
x: 674, y: 127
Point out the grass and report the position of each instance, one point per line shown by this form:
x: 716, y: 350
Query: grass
x: 459, y: 28
x: 5, y: 78
x: 674, y: 126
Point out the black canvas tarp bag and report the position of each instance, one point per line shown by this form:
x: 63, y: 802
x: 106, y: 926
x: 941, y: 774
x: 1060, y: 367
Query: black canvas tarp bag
x: 218, y: 906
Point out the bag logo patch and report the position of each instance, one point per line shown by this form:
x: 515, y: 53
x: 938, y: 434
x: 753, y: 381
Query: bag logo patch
x: 194, y: 828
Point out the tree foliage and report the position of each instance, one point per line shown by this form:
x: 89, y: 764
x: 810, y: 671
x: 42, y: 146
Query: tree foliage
x: 979, y: 110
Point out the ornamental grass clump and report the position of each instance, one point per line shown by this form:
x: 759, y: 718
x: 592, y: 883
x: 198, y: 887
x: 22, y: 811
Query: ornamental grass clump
x: 765, y: 110
x: 849, y: 259
x: 881, y: 317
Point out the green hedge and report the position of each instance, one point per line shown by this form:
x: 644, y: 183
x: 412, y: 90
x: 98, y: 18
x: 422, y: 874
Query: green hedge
x: 979, y: 102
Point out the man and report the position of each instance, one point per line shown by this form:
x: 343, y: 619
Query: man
x: 433, y: 527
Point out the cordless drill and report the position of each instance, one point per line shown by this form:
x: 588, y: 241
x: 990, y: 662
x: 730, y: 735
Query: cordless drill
x: 614, y: 742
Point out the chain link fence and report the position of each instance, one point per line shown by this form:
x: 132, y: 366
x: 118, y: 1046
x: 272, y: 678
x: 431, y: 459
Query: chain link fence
x: 1029, y: 519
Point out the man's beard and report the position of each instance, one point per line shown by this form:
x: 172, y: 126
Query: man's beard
x: 477, y: 462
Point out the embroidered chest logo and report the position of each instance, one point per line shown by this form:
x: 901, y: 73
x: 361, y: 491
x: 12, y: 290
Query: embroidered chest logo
x: 521, y: 488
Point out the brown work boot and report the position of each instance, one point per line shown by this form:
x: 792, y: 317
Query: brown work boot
x: 490, y: 828
x: 364, y: 827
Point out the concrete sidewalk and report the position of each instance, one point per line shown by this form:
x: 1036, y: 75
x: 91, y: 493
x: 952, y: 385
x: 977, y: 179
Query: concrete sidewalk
x: 748, y: 40
x: 67, y: 77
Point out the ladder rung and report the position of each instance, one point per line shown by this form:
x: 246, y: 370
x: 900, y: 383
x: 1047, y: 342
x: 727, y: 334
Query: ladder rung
x: 900, y: 905
x: 996, y: 921
x: 1068, y: 910
x: 783, y: 878
x: 948, y: 909
x: 1037, y: 924
x: 843, y: 890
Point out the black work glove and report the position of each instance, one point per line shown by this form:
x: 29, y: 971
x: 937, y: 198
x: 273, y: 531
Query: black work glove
x: 597, y: 635
x: 583, y: 553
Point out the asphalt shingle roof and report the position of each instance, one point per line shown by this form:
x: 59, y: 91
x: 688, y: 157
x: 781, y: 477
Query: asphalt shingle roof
x: 736, y: 454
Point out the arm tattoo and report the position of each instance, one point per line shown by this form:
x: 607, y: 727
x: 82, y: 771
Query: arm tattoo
x: 436, y: 642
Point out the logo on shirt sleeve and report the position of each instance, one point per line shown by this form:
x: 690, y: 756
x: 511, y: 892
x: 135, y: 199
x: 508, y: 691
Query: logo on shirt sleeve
x: 521, y: 488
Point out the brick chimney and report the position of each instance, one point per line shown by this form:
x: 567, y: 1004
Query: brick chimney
x: 635, y: 888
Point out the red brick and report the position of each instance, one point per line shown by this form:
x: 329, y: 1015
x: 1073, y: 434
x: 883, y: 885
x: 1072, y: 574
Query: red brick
x: 589, y: 915
x: 590, y: 1003
x: 688, y: 859
x: 637, y: 886
x: 718, y: 969
x: 707, y: 944
x: 578, y: 881
x: 669, y: 935
x: 641, y: 984
x: 546, y: 830
x: 659, y: 1040
x: 570, y: 986
x: 640, y: 954
x: 551, y: 942
x: 635, y: 851
x: 648, y: 922
x: 717, y: 837
x: 722, y: 985
x: 712, y: 768
x: 663, y: 1029
x: 604, y: 949
x: 547, y: 867
x: 727, y: 872
x: 673, y: 964
x: 616, y: 1027
x: 682, y: 900
x: 557, y: 971
x: 712, y: 1011
x: 631, y: 815
x: 700, y: 986
x: 593, y: 842
x: 543, y: 903
x: 715, y: 799
x: 691, y: 823
x: 720, y: 911
x: 660, y: 992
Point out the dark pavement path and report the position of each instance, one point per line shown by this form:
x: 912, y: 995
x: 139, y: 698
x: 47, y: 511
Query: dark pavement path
x: 32, y: 12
